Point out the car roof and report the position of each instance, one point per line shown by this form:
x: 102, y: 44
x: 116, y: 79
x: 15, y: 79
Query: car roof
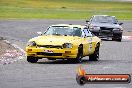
x: 69, y: 25
x: 103, y: 15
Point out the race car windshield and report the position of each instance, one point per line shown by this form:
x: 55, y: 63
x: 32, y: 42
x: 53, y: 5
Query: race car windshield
x: 64, y: 31
x: 104, y: 19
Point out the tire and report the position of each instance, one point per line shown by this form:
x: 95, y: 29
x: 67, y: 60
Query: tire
x: 79, y: 55
x: 81, y: 80
x: 120, y: 38
x: 113, y: 39
x: 95, y: 55
x: 117, y: 38
x: 32, y: 59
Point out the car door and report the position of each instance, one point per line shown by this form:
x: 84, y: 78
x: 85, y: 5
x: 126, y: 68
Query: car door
x: 87, y: 41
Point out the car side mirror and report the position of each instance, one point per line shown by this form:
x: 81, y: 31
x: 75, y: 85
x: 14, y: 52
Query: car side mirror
x: 39, y: 33
x: 120, y: 23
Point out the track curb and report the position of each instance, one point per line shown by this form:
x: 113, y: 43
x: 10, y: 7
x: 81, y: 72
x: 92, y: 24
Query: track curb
x: 12, y: 59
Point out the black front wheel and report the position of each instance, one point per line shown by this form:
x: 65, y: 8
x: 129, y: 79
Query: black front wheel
x: 79, y: 55
x: 32, y: 59
x: 79, y: 58
x: 95, y: 55
x: 117, y: 37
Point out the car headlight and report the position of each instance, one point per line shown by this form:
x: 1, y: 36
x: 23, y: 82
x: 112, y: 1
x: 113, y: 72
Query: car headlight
x: 31, y: 43
x: 94, y: 27
x: 91, y: 27
x: 67, y: 45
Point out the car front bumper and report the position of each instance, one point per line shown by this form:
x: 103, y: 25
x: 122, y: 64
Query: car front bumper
x: 106, y: 33
x: 51, y: 53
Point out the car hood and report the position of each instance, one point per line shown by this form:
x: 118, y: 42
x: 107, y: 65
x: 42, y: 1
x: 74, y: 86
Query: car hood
x: 108, y: 25
x: 55, y: 40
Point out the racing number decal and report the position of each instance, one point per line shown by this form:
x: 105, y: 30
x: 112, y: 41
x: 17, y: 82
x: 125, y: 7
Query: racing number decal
x: 88, y: 34
x: 90, y: 44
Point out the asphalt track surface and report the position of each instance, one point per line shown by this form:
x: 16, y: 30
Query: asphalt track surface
x: 115, y: 58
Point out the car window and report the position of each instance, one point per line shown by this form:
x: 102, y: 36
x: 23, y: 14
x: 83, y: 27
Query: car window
x: 76, y: 31
x: 64, y: 30
x: 104, y: 19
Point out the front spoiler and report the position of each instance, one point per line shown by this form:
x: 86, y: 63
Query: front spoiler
x: 111, y: 34
x: 57, y: 53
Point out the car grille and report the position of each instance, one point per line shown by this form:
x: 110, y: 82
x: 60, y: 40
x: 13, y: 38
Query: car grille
x: 50, y: 46
x: 49, y: 54
x: 105, y: 29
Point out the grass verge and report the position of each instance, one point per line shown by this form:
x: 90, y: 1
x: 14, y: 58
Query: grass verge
x: 63, y: 9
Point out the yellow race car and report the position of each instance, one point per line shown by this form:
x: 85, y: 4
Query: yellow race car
x: 64, y: 41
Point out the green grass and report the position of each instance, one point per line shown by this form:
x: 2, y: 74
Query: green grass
x: 63, y: 9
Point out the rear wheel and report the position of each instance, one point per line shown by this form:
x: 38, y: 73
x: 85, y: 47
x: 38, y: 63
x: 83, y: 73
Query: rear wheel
x: 95, y: 55
x: 32, y: 59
